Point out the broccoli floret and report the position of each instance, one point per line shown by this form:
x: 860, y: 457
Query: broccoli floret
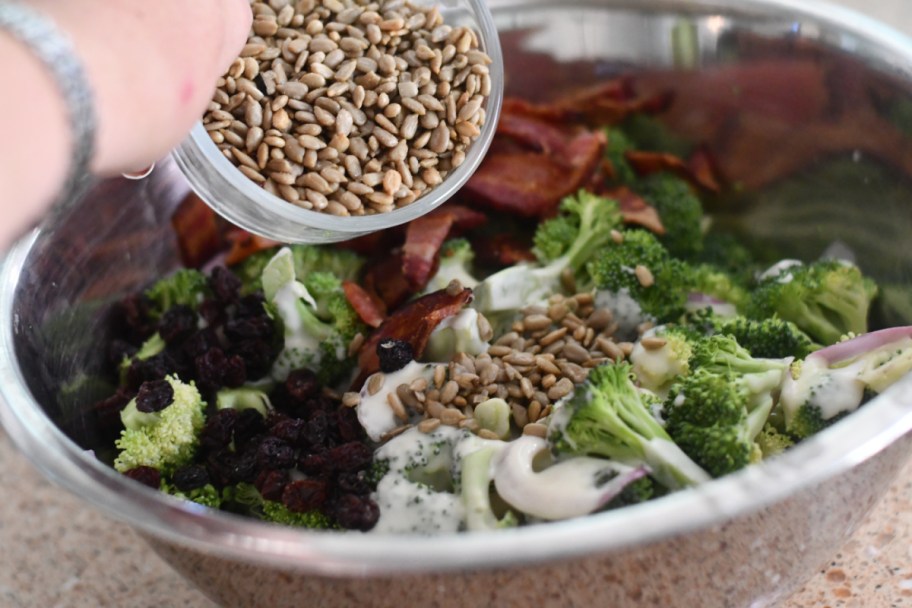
x: 772, y: 442
x: 150, y: 348
x: 607, y: 416
x: 772, y: 337
x: 714, y: 417
x: 615, y: 152
x: 614, y: 270
x: 319, y: 343
x: 680, y: 210
x: 826, y: 299
x: 186, y: 286
x: 521, y: 285
x: 641, y: 490
x: 711, y: 281
x: 165, y: 439
x: 723, y: 354
x: 277, y: 513
x: 206, y: 495
x: 456, y: 258
x: 341, y: 263
x: 656, y: 367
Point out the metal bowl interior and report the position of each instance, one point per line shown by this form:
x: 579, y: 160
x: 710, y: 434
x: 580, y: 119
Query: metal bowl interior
x: 807, y: 107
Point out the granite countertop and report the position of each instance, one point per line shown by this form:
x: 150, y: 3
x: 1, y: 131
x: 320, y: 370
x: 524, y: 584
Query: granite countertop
x: 56, y: 551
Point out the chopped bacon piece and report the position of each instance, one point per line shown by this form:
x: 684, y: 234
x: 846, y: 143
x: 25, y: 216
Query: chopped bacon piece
x: 602, y: 104
x: 464, y: 218
x: 635, y: 210
x: 196, y: 225
x: 413, y: 323
x: 501, y: 250
x: 532, y: 184
x: 383, y: 279
x: 245, y: 244
x: 423, y: 238
x: 699, y: 173
x: 518, y: 121
x: 370, y: 309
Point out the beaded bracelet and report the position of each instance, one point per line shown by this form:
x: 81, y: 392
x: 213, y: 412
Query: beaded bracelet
x: 53, y: 48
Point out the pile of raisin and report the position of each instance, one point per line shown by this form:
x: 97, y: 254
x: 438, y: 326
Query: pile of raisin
x: 310, y: 453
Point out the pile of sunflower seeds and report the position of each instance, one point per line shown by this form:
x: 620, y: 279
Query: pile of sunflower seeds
x: 350, y: 107
x: 539, y: 362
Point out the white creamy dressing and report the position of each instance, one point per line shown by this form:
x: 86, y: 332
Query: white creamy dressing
x: 410, y: 507
x: 832, y: 390
x: 374, y: 412
x: 450, y: 272
x: 456, y: 334
x: 569, y: 488
x: 626, y: 311
x: 779, y: 271
x: 300, y: 349
x: 517, y: 287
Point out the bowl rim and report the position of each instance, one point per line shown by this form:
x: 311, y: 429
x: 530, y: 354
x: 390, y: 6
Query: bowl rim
x: 839, y: 448
x: 204, y: 167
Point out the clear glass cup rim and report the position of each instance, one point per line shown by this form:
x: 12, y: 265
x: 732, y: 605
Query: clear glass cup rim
x: 199, y: 148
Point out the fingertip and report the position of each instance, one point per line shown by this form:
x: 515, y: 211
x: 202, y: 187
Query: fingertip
x: 238, y: 20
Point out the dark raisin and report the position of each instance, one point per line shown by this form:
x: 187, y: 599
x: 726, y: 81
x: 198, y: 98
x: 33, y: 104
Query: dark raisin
x: 145, y: 475
x: 316, y: 433
x: 304, y: 495
x: 351, y: 456
x: 247, y: 328
x: 302, y: 384
x: 273, y: 453
x: 242, y: 467
x: 200, y: 342
x: 154, y: 396
x: 213, y: 312
x: 225, y: 284
x: 177, y: 324
x: 235, y: 374
x: 271, y: 484
x: 257, y: 354
x: 348, y: 427
x: 289, y: 430
x: 211, y: 368
x: 354, y: 483
x: 219, y: 464
x: 394, y: 354
x: 250, y: 305
x: 134, y: 310
x: 250, y: 423
x: 152, y: 368
x: 313, y: 463
x: 218, y: 431
x: 354, y: 512
x: 190, y: 477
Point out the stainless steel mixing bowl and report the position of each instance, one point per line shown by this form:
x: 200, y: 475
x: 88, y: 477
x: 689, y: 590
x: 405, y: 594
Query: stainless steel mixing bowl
x: 808, y: 110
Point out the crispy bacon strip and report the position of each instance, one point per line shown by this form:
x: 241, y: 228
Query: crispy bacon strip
x: 519, y: 122
x: 384, y: 280
x: 412, y: 323
x: 423, y: 238
x: 371, y: 310
x: 501, y: 250
x: 602, y: 104
x: 245, y: 244
x: 198, y: 235
x: 699, y: 174
x: 531, y: 184
x: 635, y: 210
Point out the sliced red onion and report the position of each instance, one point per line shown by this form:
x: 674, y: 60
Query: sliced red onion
x: 863, y: 344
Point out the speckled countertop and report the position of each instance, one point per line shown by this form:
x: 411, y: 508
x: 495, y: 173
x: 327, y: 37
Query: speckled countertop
x: 56, y: 552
